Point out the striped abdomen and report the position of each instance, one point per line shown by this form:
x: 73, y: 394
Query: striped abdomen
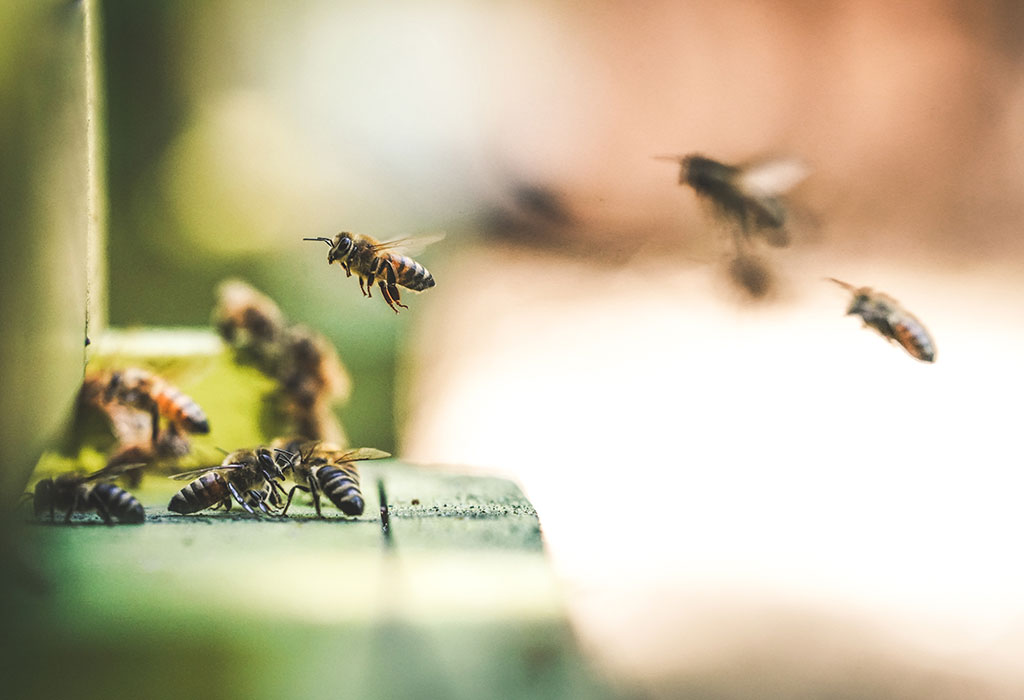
x: 178, y: 407
x: 341, y: 484
x: 911, y: 334
x: 208, y: 490
x: 887, y: 317
x: 409, y: 273
x: 118, y: 502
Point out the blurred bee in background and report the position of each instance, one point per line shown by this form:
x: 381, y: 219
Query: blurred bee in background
x: 133, y: 428
x: 892, y: 321
x: 324, y: 468
x: 304, y: 363
x: 380, y: 263
x: 249, y: 477
x: 312, y: 378
x: 145, y: 391
x: 250, y: 322
x: 84, y: 493
x: 751, y: 274
x: 749, y: 195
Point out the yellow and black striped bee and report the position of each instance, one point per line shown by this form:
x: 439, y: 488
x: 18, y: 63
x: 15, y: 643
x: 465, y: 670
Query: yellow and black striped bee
x: 380, y: 263
x: 148, y: 392
x: 892, y: 321
x: 249, y: 477
x: 325, y: 468
x: 84, y: 493
x: 749, y: 194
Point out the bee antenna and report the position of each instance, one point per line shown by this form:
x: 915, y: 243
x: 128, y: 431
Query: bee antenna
x: 674, y: 159
x: 328, y: 241
x: 844, y: 285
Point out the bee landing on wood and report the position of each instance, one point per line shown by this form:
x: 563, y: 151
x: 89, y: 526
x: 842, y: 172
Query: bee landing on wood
x: 749, y: 194
x: 84, y: 493
x: 324, y: 468
x: 380, y: 263
x: 249, y: 477
x: 892, y: 321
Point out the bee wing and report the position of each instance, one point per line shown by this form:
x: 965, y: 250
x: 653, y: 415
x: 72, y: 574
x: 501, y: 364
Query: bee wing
x: 193, y: 473
x: 360, y: 453
x: 112, y: 471
x: 770, y: 178
x: 410, y: 245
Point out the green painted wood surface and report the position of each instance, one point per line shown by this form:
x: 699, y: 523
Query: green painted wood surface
x: 459, y: 602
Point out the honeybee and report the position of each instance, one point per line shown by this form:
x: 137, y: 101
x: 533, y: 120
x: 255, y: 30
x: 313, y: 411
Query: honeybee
x: 893, y: 322
x: 250, y: 477
x: 150, y: 393
x: 376, y: 262
x: 304, y: 363
x: 747, y: 194
x: 249, y: 321
x: 312, y: 378
x: 84, y: 493
x: 322, y: 467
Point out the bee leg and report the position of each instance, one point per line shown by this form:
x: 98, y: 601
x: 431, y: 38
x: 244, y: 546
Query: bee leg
x: 155, y: 416
x: 74, y: 505
x: 103, y: 511
x: 239, y: 499
x: 314, y: 489
x: 393, y: 291
x: 258, y: 498
x: 290, y: 494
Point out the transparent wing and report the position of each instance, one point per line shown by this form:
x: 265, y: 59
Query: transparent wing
x: 770, y: 178
x: 410, y: 245
x: 360, y: 453
x: 192, y: 474
x: 113, y: 471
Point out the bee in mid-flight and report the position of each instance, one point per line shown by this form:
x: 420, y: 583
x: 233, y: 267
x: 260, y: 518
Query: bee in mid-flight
x: 84, y: 493
x: 324, y: 468
x: 380, y: 263
x: 250, y: 477
x: 150, y: 393
x: 892, y: 321
x: 750, y: 194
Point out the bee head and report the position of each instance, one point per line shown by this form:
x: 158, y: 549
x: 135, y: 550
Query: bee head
x: 341, y: 248
x: 268, y: 465
x: 284, y: 459
x: 43, y: 496
x: 858, y: 306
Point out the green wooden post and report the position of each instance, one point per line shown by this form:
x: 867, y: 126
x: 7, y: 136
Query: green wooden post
x: 51, y: 221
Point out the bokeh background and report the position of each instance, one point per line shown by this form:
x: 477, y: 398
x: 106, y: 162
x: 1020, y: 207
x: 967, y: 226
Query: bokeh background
x: 742, y: 498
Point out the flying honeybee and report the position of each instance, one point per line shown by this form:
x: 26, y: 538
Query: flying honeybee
x: 84, y: 493
x: 749, y: 194
x: 250, y: 477
x: 892, y: 321
x: 148, y: 392
x: 324, y: 468
x: 380, y: 263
